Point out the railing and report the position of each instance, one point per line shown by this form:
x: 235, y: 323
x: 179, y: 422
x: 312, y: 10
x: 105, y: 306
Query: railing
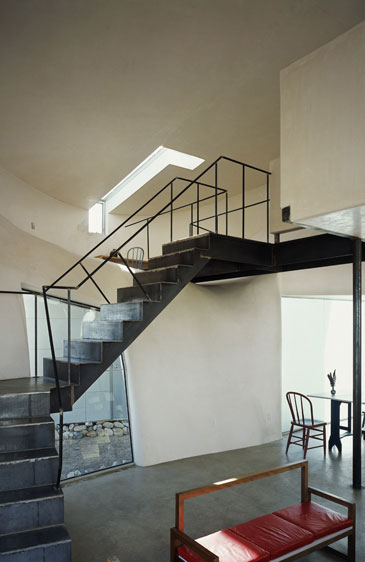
x: 195, y: 185
x: 194, y: 207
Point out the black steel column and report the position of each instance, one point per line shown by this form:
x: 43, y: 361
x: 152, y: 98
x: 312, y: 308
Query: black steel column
x: 356, y: 445
x: 243, y: 199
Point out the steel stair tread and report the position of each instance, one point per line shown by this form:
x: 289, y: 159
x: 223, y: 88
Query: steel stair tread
x: 25, y: 385
x: 73, y: 361
x: 29, y: 494
x: 82, y: 340
x: 29, y: 454
x: 36, y: 538
x: 163, y: 268
x: 177, y: 253
x: 19, y: 422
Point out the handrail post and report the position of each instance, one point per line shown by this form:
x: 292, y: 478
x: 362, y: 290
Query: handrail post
x: 191, y: 219
x: 58, y: 389
x: 172, y: 209
x: 226, y: 213
x: 197, y: 206
x: 35, y: 336
x: 216, y: 197
x: 69, y: 336
x: 243, y: 198
x: 148, y: 240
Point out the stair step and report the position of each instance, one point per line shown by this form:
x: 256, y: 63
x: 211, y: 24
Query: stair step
x: 200, y: 241
x: 26, y: 433
x: 122, y: 311
x: 23, y: 469
x: 62, y: 369
x: 132, y: 294
x: 24, y: 397
x: 21, y: 510
x: 84, y: 349
x: 103, y: 330
x: 185, y: 257
x: 164, y: 275
x: 49, y: 544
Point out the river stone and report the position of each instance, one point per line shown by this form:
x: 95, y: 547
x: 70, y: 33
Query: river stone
x: 92, y: 434
x: 108, y: 431
x: 77, y: 435
x: 118, y: 424
x: 118, y: 431
x: 79, y: 427
x: 108, y: 425
x: 88, y: 424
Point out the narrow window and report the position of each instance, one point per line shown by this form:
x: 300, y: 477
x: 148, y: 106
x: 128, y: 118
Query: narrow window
x: 96, y: 218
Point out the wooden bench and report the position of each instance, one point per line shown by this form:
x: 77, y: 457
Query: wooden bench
x: 287, y: 534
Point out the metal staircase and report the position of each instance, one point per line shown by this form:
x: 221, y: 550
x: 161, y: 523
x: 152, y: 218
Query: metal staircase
x: 31, y: 500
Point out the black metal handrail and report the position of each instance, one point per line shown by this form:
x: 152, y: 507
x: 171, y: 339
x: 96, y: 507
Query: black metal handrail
x: 167, y: 208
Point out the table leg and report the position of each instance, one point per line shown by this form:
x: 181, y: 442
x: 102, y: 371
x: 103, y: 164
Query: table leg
x: 334, y: 439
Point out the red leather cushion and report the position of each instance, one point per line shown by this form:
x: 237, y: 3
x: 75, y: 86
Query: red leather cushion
x: 314, y: 518
x: 274, y: 534
x: 228, y: 546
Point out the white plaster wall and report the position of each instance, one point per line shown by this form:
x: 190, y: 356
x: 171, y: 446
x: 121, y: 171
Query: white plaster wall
x: 55, y: 221
x: 205, y: 376
x: 322, y: 128
x: 334, y: 280
x: 29, y: 261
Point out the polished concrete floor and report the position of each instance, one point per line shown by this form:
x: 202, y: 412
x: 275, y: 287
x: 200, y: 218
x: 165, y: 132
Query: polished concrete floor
x: 128, y: 514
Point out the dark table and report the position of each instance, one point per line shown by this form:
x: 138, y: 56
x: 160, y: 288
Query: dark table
x: 336, y: 401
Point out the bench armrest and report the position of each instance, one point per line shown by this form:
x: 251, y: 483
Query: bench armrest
x: 178, y: 538
x: 351, y: 507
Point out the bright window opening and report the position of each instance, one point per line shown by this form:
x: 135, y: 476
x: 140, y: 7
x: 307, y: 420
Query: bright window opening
x: 145, y: 171
x: 96, y: 218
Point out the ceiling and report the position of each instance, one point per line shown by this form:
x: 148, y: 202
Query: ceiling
x: 90, y: 88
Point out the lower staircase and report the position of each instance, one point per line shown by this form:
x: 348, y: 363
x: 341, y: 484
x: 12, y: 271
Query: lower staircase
x: 31, y: 508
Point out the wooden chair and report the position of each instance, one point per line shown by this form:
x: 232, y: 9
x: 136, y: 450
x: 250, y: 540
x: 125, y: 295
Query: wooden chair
x: 303, y: 425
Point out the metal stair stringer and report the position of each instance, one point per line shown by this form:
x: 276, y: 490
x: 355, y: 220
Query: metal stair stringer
x: 83, y: 372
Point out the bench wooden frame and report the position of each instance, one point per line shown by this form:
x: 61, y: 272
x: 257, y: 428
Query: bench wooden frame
x: 179, y: 538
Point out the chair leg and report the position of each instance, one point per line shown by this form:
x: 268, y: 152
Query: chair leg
x: 289, y: 439
x: 306, y: 442
x: 303, y: 438
x: 324, y: 440
x: 351, y: 548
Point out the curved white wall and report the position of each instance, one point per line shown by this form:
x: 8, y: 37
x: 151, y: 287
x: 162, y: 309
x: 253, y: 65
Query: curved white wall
x: 205, y: 376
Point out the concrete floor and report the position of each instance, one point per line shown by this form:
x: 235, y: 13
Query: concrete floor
x: 128, y: 514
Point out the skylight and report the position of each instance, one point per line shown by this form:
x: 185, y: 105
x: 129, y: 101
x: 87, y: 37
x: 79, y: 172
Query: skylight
x: 145, y: 171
